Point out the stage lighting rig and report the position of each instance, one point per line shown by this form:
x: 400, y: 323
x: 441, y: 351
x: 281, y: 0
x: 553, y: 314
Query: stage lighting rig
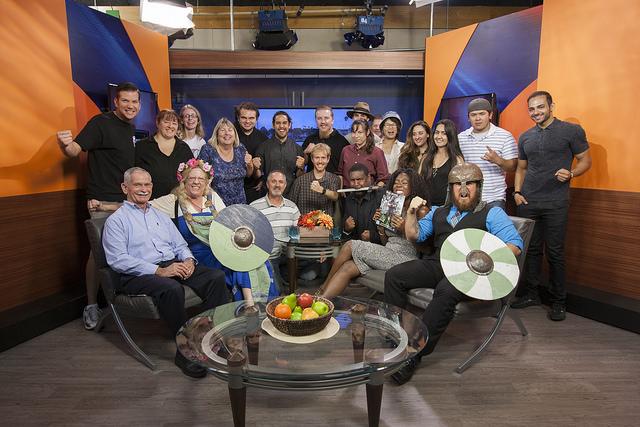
x: 369, y: 28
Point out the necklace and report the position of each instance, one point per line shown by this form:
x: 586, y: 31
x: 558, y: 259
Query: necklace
x: 195, y: 205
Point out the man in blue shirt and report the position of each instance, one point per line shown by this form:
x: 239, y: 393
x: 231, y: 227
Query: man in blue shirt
x: 463, y: 209
x: 145, y: 247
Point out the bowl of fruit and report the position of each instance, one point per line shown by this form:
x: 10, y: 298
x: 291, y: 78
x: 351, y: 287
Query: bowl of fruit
x: 300, y: 315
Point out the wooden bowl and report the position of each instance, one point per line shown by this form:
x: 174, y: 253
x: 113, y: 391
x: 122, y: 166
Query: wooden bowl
x: 299, y: 328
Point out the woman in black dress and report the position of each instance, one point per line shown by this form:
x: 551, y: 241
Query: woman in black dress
x: 161, y: 153
x: 443, y: 154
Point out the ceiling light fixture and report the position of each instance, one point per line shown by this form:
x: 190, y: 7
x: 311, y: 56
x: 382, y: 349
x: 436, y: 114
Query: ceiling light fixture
x: 166, y: 16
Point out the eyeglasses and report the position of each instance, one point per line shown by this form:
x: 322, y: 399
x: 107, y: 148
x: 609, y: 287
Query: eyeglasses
x: 390, y: 125
x: 195, y: 178
x: 190, y: 116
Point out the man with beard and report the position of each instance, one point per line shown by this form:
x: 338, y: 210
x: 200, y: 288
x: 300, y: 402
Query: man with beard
x: 281, y: 152
x: 360, y: 206
x: 144, y: 246
x: 464, y: 209
x: 318, y: 189
x: 109, y: 138
x: 328, y: 135
x: 247, y: 114
x: 543, y: 176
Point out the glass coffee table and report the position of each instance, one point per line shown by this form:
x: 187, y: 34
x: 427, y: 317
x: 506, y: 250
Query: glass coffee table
x: 371, y: 340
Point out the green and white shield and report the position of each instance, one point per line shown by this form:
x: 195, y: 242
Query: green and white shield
x: 479, y: 264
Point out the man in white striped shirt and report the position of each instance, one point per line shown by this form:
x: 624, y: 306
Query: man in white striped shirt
x: 282, y: 213
x: 490, y: 147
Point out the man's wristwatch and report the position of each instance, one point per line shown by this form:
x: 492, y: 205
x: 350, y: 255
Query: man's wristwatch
x: 324, y: 191
x: 517, y: 193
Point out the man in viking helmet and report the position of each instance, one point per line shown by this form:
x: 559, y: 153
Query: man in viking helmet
x: 464, y: 208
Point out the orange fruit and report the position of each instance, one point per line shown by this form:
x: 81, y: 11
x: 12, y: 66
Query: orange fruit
x: 282, y: 311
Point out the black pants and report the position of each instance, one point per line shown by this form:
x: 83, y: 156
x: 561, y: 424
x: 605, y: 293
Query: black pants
x: 424, y: 273
x: 168, y: 294
x: 548, y: 238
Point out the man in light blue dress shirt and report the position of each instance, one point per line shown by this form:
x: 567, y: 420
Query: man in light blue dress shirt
x: 145, y: 247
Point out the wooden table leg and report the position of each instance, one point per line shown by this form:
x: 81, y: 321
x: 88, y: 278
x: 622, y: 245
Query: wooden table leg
x: 374, y: 403
x: 374, y: 387
x: 292, y: 266
x: 237, y: 389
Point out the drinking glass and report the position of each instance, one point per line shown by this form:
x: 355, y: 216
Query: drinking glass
x: 294, y: 232
x: 336, y: 233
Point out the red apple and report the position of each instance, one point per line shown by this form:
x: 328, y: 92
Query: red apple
x: 305, y: 300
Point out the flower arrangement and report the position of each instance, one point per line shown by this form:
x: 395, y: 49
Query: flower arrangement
x: 316, y: 218
x: 194, y: 163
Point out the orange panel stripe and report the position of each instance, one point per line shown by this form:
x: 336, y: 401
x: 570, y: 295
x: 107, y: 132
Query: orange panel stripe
x: 153, y: 51
x: 515, y: 117
x: 442, y: 54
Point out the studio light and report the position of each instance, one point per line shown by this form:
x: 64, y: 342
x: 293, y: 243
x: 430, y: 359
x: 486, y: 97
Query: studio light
x: 420, y: 3
x: 369, y: 32
x: 274, y: 31
x: 166, y: 16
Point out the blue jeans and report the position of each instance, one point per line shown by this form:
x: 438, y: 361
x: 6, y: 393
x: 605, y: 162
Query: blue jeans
x: 499, y: 203
x: 548, y: 238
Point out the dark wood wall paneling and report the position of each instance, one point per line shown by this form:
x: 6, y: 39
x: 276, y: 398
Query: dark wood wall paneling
x: 193, y: 60
x: 603, y: 239
x: 44, y: 248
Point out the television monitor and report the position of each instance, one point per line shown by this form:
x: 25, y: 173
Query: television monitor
x: 456, y: 109
x: 303, y: 121
x: 145, y: 121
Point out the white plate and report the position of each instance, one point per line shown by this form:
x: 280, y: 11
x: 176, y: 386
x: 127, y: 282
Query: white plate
x: 330, y: 330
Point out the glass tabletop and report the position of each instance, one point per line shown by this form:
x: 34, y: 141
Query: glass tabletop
x: 371, y: 337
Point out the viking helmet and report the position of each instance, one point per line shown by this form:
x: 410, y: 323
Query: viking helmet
x: 464, y: 174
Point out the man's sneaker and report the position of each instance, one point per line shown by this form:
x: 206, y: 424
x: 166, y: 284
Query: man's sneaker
x: 557, y: 312
x: 91, y: 316
x: 525, y: 301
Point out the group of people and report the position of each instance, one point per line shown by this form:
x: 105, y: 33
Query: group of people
x: 459, y: 177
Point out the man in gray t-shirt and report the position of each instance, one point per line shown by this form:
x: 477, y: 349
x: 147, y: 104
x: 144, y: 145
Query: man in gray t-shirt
x: 545, y: 157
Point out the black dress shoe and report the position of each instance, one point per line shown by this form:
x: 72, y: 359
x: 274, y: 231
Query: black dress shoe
x: 558, y: 312
x: 189, y: 368
x: 406, y: 372
x: 525, y: 301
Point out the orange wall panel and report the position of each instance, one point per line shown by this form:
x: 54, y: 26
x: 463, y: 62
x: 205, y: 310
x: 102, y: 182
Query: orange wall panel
x: 38, y: 97
x: 590, y: 63
x: 442, y: 54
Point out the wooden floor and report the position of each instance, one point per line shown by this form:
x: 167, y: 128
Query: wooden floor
x: 577, y: 372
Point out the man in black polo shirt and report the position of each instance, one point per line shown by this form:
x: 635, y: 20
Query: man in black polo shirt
x: 360, y: 206
x: 327, y: 135
x: 545, y: 157
x: 281, y: 152
x: 247, y: 114
x: 109, y: 139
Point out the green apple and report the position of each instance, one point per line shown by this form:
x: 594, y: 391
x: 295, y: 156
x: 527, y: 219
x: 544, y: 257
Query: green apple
x: 291, y: 300
x: 298, y: 309
x: 296, y: 315
x: 320, y: 307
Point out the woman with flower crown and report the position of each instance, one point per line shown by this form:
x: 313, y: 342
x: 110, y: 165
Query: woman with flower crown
x: 193, y: 205
x: 357, y: 257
